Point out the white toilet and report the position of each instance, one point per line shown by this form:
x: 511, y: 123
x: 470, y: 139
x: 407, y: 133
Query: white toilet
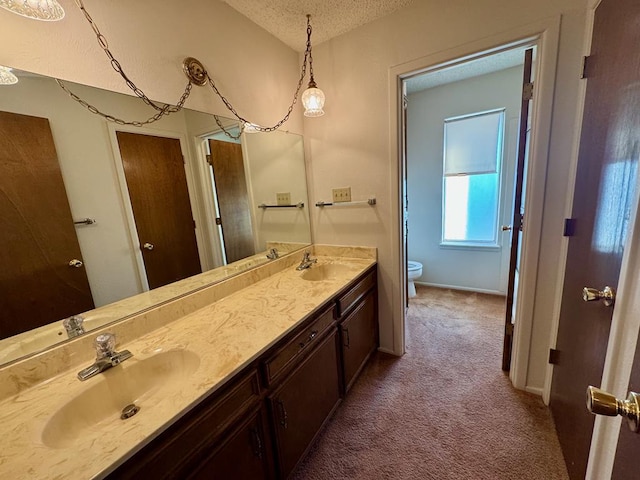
x: 414, y: 271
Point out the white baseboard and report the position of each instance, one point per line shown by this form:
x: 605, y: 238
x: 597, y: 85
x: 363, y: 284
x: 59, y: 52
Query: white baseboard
x: 535, y: 390
x: 464, y: 289
x: 390, y: 352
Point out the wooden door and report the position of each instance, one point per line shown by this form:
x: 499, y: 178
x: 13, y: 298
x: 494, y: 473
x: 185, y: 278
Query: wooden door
x: 518, y: 216
x: 37, y: 285
x: 157, y: 184
x: 625, y: 15
x: 405, y: 196
x: 604, y: 191
x: 233, y: 199
x: 304, y: 402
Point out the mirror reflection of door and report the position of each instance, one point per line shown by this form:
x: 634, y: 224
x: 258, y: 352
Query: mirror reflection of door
x: 233, y: 200
x: 37, y: 283
x: 157, y: 184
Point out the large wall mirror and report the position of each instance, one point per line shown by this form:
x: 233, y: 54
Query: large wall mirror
x: 104, y: 220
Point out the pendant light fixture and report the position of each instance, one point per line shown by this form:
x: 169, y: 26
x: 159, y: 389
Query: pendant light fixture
x: 6, y: 77
x: 46, y: 10
x: 312, y: 97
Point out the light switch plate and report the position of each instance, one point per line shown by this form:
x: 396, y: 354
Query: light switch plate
x: 341, y: 194
x: 283, y: 198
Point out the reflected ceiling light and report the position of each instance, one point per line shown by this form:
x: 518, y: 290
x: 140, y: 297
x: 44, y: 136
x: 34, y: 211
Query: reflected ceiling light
x: 251, y: 127
x: 313, y: 97
x: 6, y: 77
x: 46, y: 10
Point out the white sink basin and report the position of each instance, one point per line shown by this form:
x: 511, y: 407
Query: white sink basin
x: 140, y: 382
x: 325, y: 271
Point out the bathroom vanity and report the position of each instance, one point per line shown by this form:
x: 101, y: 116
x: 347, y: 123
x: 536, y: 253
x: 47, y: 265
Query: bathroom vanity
x: 268, y: 414
x: 244, y: 384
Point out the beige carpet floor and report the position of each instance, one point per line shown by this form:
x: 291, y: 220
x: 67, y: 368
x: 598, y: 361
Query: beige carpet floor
x: 444, y: 410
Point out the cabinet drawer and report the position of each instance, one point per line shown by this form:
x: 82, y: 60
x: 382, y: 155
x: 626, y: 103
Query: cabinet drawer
x: 346, y: 301
x: 233, y: 403
x: 172, y: 454
x: 284, y: 358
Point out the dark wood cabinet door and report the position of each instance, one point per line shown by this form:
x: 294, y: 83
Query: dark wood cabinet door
x: 359, y: 338
x: 243, y: 455
x: 302, y: 404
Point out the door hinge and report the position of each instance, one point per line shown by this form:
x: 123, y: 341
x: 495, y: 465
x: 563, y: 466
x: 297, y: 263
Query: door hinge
x: 218, y: 221
x: 569, y: 227
x: 508, y: 329
x: 210, y: 160
x: 554, y: 356
x: 527, y: 91
x: 194, y: 224
x: 585, y: 63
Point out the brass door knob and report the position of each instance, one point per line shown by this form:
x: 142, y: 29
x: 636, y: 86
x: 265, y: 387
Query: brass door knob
x: 506, y: 228
x: 75, y: 263
x: 600, y: 402
x: 608, y: 295
x: 148, y: 246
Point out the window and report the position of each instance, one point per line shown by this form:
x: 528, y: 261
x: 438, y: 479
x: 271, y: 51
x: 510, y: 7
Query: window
x: 471, y: 178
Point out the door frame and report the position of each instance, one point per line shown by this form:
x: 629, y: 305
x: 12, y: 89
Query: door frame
x: 194, y: 198
x: 544, y: 35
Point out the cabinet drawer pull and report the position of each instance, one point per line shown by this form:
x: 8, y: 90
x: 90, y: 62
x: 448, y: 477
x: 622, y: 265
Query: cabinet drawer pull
x: 346, y: 339
x: 312, y: 335
x: 257, y: 443
x: 283, y: 414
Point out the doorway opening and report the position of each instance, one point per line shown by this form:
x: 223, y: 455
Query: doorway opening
x: 465, y: 132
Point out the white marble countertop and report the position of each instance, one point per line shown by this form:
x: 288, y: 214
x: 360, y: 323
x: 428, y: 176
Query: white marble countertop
x: 225, y: 335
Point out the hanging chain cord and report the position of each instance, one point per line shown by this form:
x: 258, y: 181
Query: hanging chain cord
x: 243, y: 121
x: 166, y: 109
x: 162, y: 109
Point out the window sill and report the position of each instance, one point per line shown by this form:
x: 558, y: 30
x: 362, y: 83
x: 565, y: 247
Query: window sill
x: 470, y: 246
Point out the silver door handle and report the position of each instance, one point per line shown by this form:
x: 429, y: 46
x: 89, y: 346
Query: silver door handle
x: 75, y: 263
x: 600, y: 402
x: 608, y: 295
x: 148, y: 246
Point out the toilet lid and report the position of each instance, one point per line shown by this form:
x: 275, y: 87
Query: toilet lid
x: 414, y: 265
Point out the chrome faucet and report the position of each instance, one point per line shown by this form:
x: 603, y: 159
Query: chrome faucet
x: 73, y: 325
x: 273, y: 254
x: 307, y: 261
x: 106, y: 356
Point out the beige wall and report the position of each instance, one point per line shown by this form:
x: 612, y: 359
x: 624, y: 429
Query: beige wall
x: 274, y: 164
x: 350, y: 145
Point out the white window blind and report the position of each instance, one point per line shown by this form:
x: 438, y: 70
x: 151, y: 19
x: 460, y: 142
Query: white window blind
x: 473, y: 143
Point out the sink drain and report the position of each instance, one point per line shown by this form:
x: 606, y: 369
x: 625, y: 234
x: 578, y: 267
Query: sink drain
x: 129, y: 411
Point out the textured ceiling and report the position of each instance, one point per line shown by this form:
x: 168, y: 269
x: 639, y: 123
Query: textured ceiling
x: 286, y: 19
x: 462, y: 71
